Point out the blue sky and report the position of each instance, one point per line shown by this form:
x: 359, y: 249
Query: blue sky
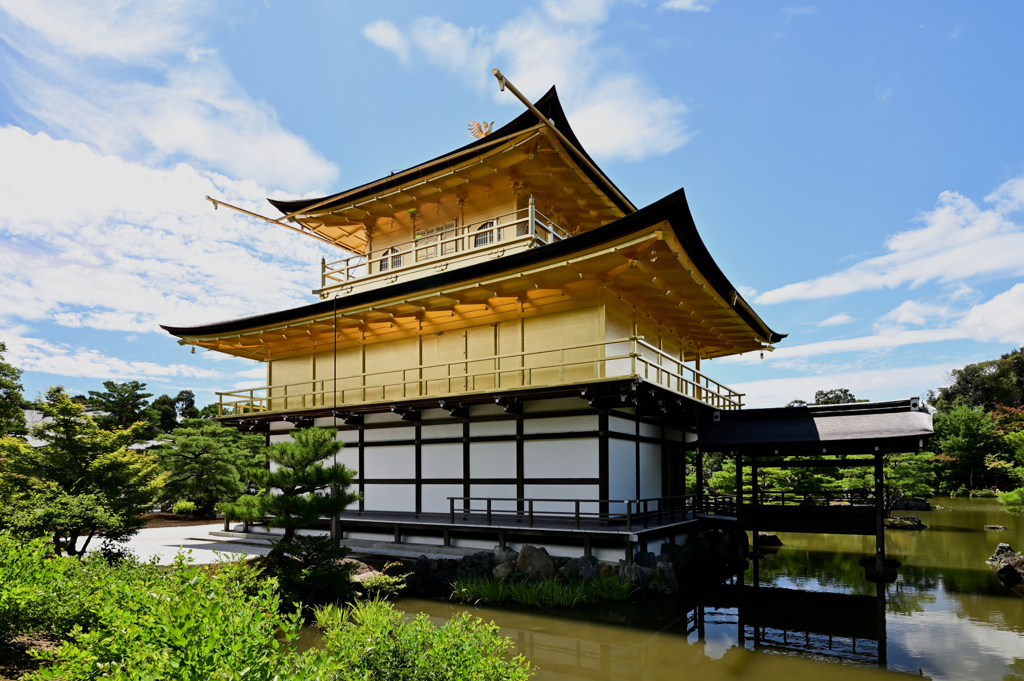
x: 858, y: 168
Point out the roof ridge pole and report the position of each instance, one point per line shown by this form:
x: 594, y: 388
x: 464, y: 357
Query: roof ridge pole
x: 505, y: 83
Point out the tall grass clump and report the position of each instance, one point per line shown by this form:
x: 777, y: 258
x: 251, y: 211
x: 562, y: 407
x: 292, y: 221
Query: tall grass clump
x: 548, y: 593
x: 372, y: 640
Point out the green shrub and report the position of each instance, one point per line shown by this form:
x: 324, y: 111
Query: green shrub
x: 310, y: 571
x: 548, y: 593
x: 1013, y: 501
x: 385, y: 585
x: 983, y: 494
x: 372, y: 640
x: 183, y: 507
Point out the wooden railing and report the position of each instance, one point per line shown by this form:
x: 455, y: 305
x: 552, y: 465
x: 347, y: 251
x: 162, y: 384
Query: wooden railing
x: 620, y: 358
x: 633, y: 512
x: 526, y: 226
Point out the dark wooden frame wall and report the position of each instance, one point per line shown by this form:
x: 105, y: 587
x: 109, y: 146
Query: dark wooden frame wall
x: 600, y: 437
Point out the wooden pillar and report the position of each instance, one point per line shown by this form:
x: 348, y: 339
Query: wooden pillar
x: 739, y: 532
x: 699, y: 467
x: 602, y: 460
x: 418, y: 463
x: 362, y: 465
x: 520, y: 462
x: 879, y: 517
x: 755, y: 544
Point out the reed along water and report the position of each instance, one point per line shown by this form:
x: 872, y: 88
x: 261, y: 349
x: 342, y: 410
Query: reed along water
x: 813, y: 616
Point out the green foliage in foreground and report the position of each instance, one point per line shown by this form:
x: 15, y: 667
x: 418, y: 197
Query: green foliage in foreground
x: 1013, y: 501
x: 372, y: 640
x: 549, y: 593
x: 135, y: 621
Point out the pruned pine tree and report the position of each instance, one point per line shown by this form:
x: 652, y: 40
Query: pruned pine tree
x: 302, y: 485
x: 207, y: 463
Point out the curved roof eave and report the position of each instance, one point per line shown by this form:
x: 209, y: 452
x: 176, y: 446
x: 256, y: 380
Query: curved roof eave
x: 672, y: 209
x: 549, y: 105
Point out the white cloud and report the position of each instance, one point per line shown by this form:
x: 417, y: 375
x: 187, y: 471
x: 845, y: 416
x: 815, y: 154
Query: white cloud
x: 795, y: 10
x: 747, y: 291
x: 688, y: 5
x: 889, y: 339
x: 837, y: 320
x: 385, y: 34
x: 915, y: 312
x: 183, y: 102
x: 960, y: 240
x: 891, y: 383
x: 89, y: 240
x: 257, y: 372
x: 1000, y: 319
x: 36, y: 354
x: 616, y: 113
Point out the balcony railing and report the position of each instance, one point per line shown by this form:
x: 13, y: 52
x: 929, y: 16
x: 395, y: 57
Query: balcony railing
x: 523, y: 228
x: 629, y: 357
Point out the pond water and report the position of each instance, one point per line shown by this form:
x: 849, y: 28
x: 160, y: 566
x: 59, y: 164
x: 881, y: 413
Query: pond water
x: 813, y: 616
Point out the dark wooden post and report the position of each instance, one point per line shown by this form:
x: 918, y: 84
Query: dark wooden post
x: 739, y: 518
x: 879, y: 517
x: 699, y: 465
x: 755, y: 544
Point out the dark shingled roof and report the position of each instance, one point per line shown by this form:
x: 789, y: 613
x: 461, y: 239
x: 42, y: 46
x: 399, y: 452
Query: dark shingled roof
x: 673, y: 209
x: 547, y: 105
x: 859, y: 428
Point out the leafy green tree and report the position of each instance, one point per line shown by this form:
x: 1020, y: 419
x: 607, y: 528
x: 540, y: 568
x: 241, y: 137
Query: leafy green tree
x: 986, y: 384
x: 210, y: 411
x: 965, y: 437
x: 124, y: 404
x: 207, y: 463
x: 165, y: 413
x: 300, y: 488
x: 12, y: 417
x: 79, y: 458
x: 834, y: 396
x: 185, y: 404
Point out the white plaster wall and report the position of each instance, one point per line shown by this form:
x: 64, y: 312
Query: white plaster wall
x: 650, y: 470
x: 389, y: 498
x: 485, y: 410
x: 506, y: 491
x: 441, y: 461
x: 384, y: 417
x: 390, y: 462
x: 435, y: 497
x: 348, y: 457
x: 492, y: 460
x: 389, y: 434
x: 563, y: 492
x: 281, y: 437
x: 621, y: 472
x: 430, y: 414
x: 561, y: 424
x: 648, y: 430
x: 280, y: 425
x: 436, y: 431
x: 561, y: 458
x: 620, y: 425
x: 492, y: 428
x: 349, y: 437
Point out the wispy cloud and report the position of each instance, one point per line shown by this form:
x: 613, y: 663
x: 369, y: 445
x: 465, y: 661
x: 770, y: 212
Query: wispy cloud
x: 889, y: 383
x: 688, y: 5
x: 959, y: 240
x: 837, y: 320
x: 66, y: 68
x: 36, y: 354
x: 127, y: 247
x: 385, y: 34
x: 799, y: 10
x: 617, y: 113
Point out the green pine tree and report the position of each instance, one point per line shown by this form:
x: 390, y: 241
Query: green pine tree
x: 124, y: 404
x: 303, y: 486
x: 207, y: 463
x: 12, y: 417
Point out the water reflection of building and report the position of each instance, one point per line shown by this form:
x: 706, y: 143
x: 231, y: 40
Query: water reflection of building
x: 815, y: 625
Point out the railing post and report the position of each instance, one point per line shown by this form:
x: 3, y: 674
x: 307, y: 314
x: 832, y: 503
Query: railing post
x: 629, y: 516
x: 647, y: 512
x: 632, y: 356
x: 531, y: 512
x: 451, y: 510
x: 577, y: 501
x: 220, y: 404
x: 533, y: 217
x: 488, y: 510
